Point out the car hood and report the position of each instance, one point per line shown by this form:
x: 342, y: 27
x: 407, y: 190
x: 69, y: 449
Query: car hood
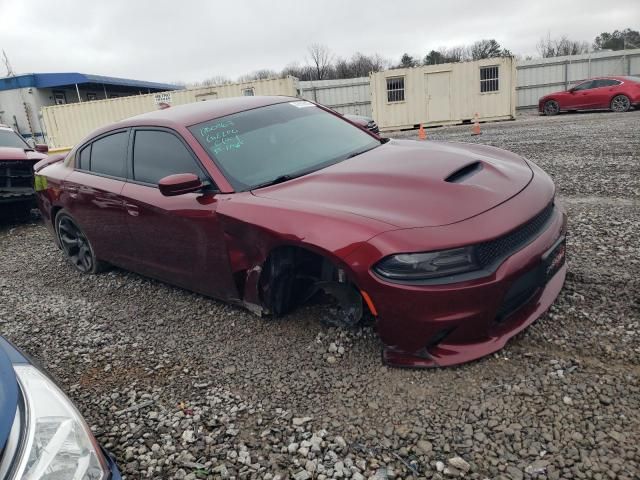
x: 408, y: 184
x: 8, y: 394
x: 11, y: 153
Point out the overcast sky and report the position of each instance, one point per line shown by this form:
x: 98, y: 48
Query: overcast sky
x: 193, y: 40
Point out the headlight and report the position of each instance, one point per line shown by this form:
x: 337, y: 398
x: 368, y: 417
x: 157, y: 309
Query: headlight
x: 424, y: 266
x: 57, y: 444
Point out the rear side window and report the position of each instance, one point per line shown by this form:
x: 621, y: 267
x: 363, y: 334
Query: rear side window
x: 158, y: 154
x: 108, y: 155
x: 606, y: 83
x: 84, y: 158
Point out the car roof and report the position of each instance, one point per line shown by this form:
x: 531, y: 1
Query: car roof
x: 198, y: 112
x: 608, y: 77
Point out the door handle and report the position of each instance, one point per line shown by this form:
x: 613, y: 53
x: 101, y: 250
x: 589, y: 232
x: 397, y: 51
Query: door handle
x: 132, y: 209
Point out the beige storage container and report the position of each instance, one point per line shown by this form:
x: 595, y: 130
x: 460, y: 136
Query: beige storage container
x: 444, y: 94
x: 65, y: 125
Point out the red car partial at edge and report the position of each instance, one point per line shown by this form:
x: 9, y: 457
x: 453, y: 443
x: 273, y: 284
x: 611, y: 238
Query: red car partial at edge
x: 266, y: 201
x: 617, y: 94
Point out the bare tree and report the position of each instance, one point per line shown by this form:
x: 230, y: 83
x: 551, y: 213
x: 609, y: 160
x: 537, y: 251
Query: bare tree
x: 359, y: 65
x: 321, y: 58
x: 211, y: 81
x: 262, y: 74
x: 556, y: 47
x: 304, y: 72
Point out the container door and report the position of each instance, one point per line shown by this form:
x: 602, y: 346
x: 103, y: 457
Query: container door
x: 438, y: 96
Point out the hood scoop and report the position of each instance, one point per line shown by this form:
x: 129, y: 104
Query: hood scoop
x: 464, y: 173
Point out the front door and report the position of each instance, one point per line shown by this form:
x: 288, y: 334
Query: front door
x: 438, y: 96
x: 178, y: 239
x: 578, y: 96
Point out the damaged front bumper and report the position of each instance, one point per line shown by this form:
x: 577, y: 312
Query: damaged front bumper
x: 442, y: 325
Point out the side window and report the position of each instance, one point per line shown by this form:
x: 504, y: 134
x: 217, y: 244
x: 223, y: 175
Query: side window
x: 607, y: 83
x: 84, y: 158
x: 108, y: 155
x: 158, y: 154
x: 584, y: 86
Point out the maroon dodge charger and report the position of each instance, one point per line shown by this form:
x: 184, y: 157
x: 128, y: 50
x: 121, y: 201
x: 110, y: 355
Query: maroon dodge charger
x: 268, y: 202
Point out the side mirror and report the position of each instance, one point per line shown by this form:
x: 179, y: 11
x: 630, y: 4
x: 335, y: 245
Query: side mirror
x: 179, y: 184
x: 42, y: 148
x: 572, y: 90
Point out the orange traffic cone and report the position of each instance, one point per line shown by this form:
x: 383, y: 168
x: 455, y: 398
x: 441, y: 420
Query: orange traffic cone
x: 421, y: 133
x: 475, y: 130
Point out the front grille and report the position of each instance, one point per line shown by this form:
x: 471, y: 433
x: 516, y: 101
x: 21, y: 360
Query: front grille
x: 16, y: 180
x: 491, y: 252
x: 16, y: 174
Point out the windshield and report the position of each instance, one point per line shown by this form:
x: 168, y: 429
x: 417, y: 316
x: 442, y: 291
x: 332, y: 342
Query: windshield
x: 9, y: 138
x: 277, y: 142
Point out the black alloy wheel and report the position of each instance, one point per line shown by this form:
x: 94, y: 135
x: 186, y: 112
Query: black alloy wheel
x: 75, y: 245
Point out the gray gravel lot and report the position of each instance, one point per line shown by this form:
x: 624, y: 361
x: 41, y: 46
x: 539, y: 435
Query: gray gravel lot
x: 181, y: 386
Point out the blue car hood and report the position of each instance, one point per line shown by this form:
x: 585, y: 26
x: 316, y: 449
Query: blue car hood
x: 8, y: 391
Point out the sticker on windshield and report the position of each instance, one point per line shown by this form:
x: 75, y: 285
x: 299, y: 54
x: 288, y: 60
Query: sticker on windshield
x: 302, y: 104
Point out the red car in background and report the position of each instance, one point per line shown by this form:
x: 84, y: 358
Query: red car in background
x: 618, y: 94
x: 267, y: 202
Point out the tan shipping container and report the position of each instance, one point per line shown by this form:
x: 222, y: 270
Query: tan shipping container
x: 66, y: 125
x: 445, y: 94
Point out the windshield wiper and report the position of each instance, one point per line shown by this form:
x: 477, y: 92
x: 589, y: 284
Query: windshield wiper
x: 279, y: 179
x: 355, y: 154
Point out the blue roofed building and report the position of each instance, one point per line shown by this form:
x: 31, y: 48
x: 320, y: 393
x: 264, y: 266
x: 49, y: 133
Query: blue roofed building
x: 23, y: 96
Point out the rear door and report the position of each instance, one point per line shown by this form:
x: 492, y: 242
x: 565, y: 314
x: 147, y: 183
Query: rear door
x: 178, y: 239
x: 602, y: 93
x: 94, y: 189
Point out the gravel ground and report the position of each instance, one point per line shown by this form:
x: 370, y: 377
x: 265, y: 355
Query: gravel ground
x: 180, y: 386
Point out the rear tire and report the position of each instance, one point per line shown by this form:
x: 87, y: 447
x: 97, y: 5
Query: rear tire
x: 620, y: 104
x: 75, y: 245
x: 551, y: 107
